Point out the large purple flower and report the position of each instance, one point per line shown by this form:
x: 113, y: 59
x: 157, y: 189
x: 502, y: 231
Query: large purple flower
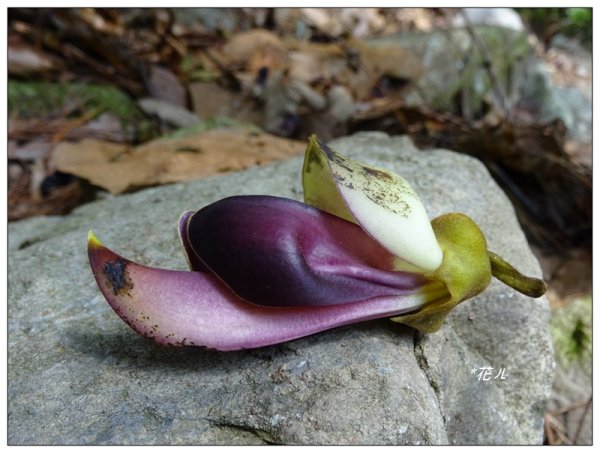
x: 264, y: 269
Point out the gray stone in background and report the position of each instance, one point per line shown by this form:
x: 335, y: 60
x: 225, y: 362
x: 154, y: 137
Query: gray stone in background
x: 572, y: 105
x: 500, y: 17
x: 168, y: 112
x: 79, y: 375
x: 453, y: 66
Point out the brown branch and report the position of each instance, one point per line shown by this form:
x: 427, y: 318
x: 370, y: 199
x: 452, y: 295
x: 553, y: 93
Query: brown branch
x: 485, y: 54
x: 557, y: 428
x: 580, y: 426
x: 549, y: 431
x: 229, y: 77
x: 570, y: 407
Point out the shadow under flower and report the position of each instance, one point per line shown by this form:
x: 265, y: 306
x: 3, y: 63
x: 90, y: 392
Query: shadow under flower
x: 127, y: 348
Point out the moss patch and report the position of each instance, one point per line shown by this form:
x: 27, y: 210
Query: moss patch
x: 572, y: 332
x: 35, y: 99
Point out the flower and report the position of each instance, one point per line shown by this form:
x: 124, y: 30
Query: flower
x: 265, y: 270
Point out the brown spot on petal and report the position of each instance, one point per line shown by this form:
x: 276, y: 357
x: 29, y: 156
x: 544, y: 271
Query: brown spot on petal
x: 117, y: 276
x: 336, y: 158
x: 327, y: 150
x: 382, y: 188
x: 377, y: 173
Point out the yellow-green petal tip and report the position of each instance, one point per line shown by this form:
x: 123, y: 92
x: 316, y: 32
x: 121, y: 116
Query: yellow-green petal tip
x: 93, y: 241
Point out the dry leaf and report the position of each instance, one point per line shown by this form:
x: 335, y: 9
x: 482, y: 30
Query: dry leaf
x: 354, y: 64
x: 24, y: 60
x: 392, y: 61
x: 254, y: 49
x: 210, y: 100
x: 354, y: 21
x: 120, y: 168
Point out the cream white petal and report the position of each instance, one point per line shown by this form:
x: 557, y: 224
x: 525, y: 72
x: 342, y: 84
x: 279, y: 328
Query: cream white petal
x: 385, y: 206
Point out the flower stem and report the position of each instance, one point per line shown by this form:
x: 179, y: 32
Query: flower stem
x: 503, y: 271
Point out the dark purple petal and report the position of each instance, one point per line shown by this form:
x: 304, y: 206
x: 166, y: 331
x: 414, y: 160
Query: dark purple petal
x: 279, y: 252
x: 194, y: 262
x: 196, y: 309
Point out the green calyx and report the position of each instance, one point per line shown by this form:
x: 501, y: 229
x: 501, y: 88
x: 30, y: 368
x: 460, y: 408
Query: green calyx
x: 466, y: 270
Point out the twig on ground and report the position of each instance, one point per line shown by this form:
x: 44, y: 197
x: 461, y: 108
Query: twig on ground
x: 581, y: 420
x: 570, y: 407
x: 554, y: 426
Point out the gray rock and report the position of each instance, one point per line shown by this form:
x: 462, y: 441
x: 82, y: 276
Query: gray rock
x: 79, y: 375
x: 572, y: 105
x: 168, y: 112
x: 501, y: 17
x: 453, y: 65
x: 454, y: 69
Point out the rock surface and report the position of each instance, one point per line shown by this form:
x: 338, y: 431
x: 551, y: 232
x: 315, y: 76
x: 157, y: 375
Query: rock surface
x: 79, y: 375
